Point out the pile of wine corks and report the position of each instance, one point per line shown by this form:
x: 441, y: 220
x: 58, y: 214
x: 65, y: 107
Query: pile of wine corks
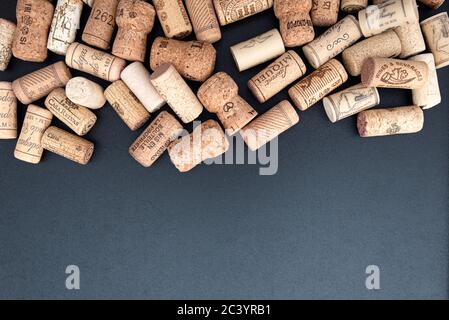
x: 385, y: 44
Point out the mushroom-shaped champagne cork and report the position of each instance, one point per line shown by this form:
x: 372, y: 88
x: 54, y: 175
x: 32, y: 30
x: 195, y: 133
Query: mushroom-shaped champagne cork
x: 101, y: 24
x: 324, y: 13
x: 433, y: 4
x: 353, y: 6
x: 8, y: 111
x: 7, y: 30
x: 220, y: 95
x: 294, y: 21
x: 174, y: 18
x: 33, y: 22
x: 204, y: 20
x: 85, y: 92
x: 429, y: 95
x: 436, y: 33
x: 194, y: 60
x: 135, y: 20
x: 229, y: 11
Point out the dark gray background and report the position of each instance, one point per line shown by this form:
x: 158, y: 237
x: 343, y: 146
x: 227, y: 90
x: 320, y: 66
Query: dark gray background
x: 338, y: 204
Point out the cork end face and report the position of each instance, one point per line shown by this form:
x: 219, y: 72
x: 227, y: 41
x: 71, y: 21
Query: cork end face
x: 88, y: 154
x: 289, y: 111
x: 361, y: 124
x: 162, y: 72
x: 329, y: 109
x: 255, y: 91
x: 236, y: 60
x: 367, y: 72
x: 311, y: 57
x: 116, y: 69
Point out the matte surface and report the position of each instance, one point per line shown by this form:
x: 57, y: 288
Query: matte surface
x: 338, y: 204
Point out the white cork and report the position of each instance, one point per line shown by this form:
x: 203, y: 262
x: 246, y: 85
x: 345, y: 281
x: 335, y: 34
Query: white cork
x: 428, y: 96
x: 86, y: 93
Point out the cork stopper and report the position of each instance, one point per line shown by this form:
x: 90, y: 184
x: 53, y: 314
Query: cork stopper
x: 433, y: 4
x: 324, y: 13
x: 412, y: 40
x: 353, y: 6
x: 7, y: 30
x: 8, y: 111
x: 229, y: 11
x: 429, y: 95
x: 101, y: 24
x: 86, y: 93
x: 204, y: 20
x: 173, y: 18
x: 435, y: 30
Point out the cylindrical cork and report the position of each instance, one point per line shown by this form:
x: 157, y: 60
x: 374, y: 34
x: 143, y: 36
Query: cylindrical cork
x: 333, y: 41
x: 394, y: 73
x: 86, y: 93
x: 126, y: 104
x: 429, y: 95
x: 324, y: 13
x: 204, y: 20
x: 412, y: 40
x: 194, y: 60
x: 7, y: 30
x: 269, y: 125
x: 294, y: 21
x: 95, y: 62
x: 229, y: 11
x: 205, y: 142
x: 156, y: 138
x: 8, y: 111
x: 354, y: 56
x: 434, y: 4
x: 173, y: 89
x: 436, y: 33
x: 33, y: 22
x: 135, y: 20
x: 78, y: 118
x: 353, y: 6
x: 67, y: 145
x: 258, y: 50
x: 350, y: 101
x: 89, y: 2
x: 219, y: 95
x: 277, y: 76
x: 174, y: 18
x: 40, y: 83
x: 386, y: 122
x: 101, y: 24
x: 65, y: 25
x: 28, y: 147
x: 318, y: 84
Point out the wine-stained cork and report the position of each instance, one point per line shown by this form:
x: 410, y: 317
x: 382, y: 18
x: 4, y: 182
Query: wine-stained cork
x: 101, y: 24
x: 269, y: 125
x: 89, y: 2
x: 174, y: 18
x: 194, y: 60
x: 65, y: 25
x: 333, y: 41
x: 40, y: 83
x: 8, y: 111
x: 429, y: 95
x: 28, y: 147
x: 95, y: 62
x: 205, y: 142
x: 353, y: 6
x: 7, y: 30
x: 294, y: 21
x: 220, y: 95
x: 350, y: 101
x: 277, y: 76
x: 354, y: 56
x: 258, y: 50
x: 173, y: 89
x: 394, y: 73
x: 386, y: 122
x: 155, y: 139
x: 318, y: 84
x: 229, y: 11
x: 67, y: 145
x: 33, y: 22
x: 86, y: 93
x: 324, y: 13
x: 126, y: 104
x: 412, y: 40
x: 204, y: 20
x: 135, y: 20
x: 434, y: 4
x: 436, y: 33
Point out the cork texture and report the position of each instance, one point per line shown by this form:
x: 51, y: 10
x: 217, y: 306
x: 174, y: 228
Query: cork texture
x: 436, y: 33
x: 204, y: 21
x: 429, y: 95
x: 173, y: 18
x: 353, y: 6
x: 324, y: 13
x: 7, y: 30
x: 412, y: 40
x: 8, y: 111
x: 101, y: 24
x: 229, y: 11
x: 433, y: 4
x: 85, y: 92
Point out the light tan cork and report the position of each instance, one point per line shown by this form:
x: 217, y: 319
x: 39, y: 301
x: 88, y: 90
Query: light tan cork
x: 324, y: 13
x: 204, y: 20
x: 155, y: 139
x: 412, y: 40
x: 85, y: 92
x: 8, y: 111
x: 174, y: 18
x: 7, y: 30
x: 429, y: 95
x: 101, y: 24
x: 28, y: 147
x: 219, y: 95
x: 436, y: 33
x: 353, y: 6
x: 229, y: 11
x: 387, y: 122
x: 433, y: 4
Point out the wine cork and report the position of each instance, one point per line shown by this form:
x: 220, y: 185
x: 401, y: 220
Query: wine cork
x: 429, y: 95
x: 318, y: 84
x: 324, y: 13
x: 40, y: 83
x: 8, y: 111
x: 101, y: 24
x: 205, y: 142
x: 95, y: 62
x: 135, y: 20
x: 394, y: 73
x: 65, y: 25
x: 219, y: 95
x: 194, y: 60
x: 353, y: 6
x: 269, y: 125
x: 126, y: 104
x: 85, y: 93
x: 155, y: 139
x: 204, y: 20
x: 229, y: 11
x: 412, y: 40
x: 350, y: 101
x: 33, y: 23
x: 294, y: 21
x: 333, y: 41
x: 174, y: 18
x: 28, y: 147
x: 7, y: 30
x: 386, y: 122
x: 67, y: 145
x: 89, y: 2
x: 173, y: 89
x: 354, y: 56
x: 433, y: 4
x: 258, y: 50
x: 277, y: 76
x: 436, y: 33
x: 78, y: 118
